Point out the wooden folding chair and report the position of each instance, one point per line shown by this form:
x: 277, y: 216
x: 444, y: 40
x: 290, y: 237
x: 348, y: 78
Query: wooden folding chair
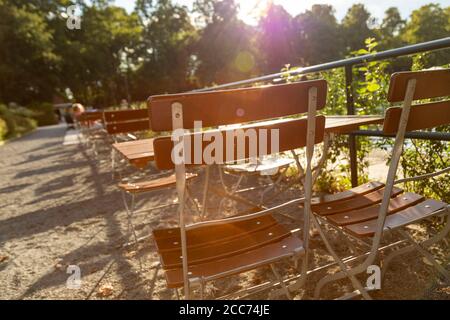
x: 146, y: 186
x: 122, y: 126
x: 366, y: 214
x: 271, y: 169
x: 195, y: 254
x: 90, y: 124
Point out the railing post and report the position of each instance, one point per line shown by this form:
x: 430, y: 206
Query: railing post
x: 351, y: 138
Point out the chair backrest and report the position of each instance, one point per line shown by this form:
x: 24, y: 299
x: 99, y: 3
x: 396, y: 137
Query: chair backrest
x: 126, y: 121
x: 429, y: 84
x: 290, y: 135
x: 90, y: 116
x: 407, y: 87
x: 227, y: 107
x: 183, y: 111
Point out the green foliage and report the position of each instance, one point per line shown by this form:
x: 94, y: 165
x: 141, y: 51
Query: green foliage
x: 163, y: 46
x: 18, y: 120
x: 315, y: 28
x: 224, y: 50
x: 3, y: 129
x: 44, y: 114
x: 356, y: 26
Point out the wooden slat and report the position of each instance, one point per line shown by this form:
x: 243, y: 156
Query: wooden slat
x: 129, y: 148
x: 396, y: 204
x: 346, y: 124
x: 402, y: 218
x: 248, y: 241
x: 357, y: 202
x: 91, y: 116
x: 246, y: 261
x: 225, y: 107
x: 169, y: 239
x: 126, y: 115
x: 144, y: 186
x: 292, y: 135
x: 430, y: 84
x: 348, y: 194
x: 423, y: 116
x: 128, y: 127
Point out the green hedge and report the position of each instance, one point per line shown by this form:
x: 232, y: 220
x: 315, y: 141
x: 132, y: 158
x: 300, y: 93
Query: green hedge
x: 3, y: 129
x: 44, y: 114
x: 19, y: 120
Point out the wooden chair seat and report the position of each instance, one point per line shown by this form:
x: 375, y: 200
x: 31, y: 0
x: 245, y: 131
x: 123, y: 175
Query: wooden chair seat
x: 348, y: 194
x: 238, y: 263
x: 169, y: 239
x: 396, y: 204
x: 357, y: 209
x: 225, y: 249
x: 399, y: 219
x: 357, y: 201
x: 148, y: 185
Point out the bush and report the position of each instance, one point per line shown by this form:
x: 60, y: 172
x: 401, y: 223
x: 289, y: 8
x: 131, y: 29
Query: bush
x: 3, y: 129
x: 18, y: 120
x: 44, y: 114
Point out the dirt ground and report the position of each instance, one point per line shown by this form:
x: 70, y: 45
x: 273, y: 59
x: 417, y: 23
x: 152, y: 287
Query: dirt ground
x: 59, y: 206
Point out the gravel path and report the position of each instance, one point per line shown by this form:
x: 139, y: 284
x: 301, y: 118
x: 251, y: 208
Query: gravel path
x: 60, y: 207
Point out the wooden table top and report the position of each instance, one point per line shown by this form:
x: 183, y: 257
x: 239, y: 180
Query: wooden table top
x: 346, y: 124
x: 140, y: 152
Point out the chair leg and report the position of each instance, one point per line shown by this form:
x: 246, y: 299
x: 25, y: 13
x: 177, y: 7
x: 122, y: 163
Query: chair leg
x: 387, y: 261
x: 191, y: 198
x: 233, y: 189
x: 113, y: 162
x: 130, y: 210
x: 205, y: 193
x: 436, y: 238
x: 280, y: 279
x: 426, y: 254
x: 270, y: 188
x: 342, y: 274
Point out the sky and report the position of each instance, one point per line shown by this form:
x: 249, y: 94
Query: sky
x: 250, y: 8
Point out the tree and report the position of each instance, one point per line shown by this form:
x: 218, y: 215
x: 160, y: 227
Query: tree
x: 356, y: 27
x: 27, y: 57
x: 428, y: 23
x: 318, y: 35
x: 224, y: 51
x: 93, y: 56
x: 165, y: 50
x: 276, y: 39
x: 391, y: 29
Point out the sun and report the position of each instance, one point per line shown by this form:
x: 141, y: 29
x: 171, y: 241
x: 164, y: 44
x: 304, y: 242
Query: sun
x: 250, y: 11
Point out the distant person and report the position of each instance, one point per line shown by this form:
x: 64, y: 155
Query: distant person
x: 124, y: 104
x: 69, y: 119
x: 77, y: 110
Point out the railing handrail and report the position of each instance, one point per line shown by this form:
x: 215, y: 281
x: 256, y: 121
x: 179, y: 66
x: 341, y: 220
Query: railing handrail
x: 391, y: 53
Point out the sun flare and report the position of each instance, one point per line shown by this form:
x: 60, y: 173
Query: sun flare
x: 251, y: 10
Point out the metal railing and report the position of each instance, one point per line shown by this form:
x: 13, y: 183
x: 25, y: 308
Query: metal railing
x: 348, y: 64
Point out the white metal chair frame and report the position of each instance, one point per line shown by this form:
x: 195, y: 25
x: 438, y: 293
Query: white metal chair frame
x: 375, y: 245
x: 180, y: 171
